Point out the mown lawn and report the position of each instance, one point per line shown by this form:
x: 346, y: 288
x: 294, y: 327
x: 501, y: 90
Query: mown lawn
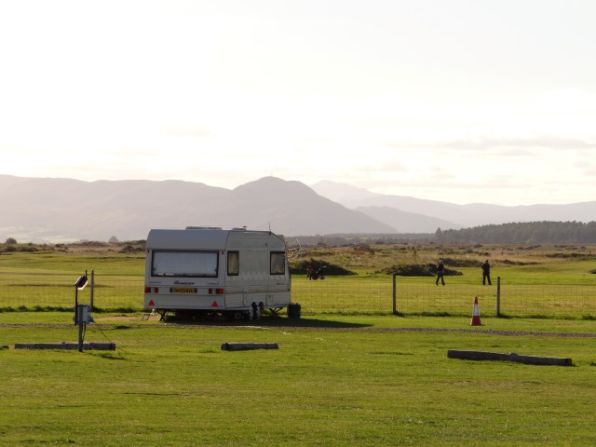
x: 361, y: 380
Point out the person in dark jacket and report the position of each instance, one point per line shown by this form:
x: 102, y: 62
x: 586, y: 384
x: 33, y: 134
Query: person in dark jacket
x: 440, y: 273
x: 486, y: 273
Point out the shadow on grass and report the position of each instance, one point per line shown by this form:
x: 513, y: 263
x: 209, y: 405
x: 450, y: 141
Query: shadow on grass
x: 109, y: 356
x: 269, y: 321
x: 122, y: 310
x: 283, y: 321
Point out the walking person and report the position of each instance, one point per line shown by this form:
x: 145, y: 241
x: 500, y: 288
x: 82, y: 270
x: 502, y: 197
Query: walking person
x: 486, y: 273
x: 440, y: 272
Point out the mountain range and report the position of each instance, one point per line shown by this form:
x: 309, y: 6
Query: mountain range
x: 35, y: 209
x: 450, y: 215
x: 48, y: 209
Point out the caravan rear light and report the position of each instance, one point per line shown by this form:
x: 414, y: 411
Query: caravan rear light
x: 155, y: 290
x: 219, y: 291
x: 151, y: 289
x: 147, y: 289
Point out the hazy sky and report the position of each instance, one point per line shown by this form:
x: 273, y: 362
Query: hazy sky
x: 462, y: 101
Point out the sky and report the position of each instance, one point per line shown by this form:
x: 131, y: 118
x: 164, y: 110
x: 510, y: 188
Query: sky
x: 461, y: 101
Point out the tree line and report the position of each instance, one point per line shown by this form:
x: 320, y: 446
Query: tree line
x: 523, y: 233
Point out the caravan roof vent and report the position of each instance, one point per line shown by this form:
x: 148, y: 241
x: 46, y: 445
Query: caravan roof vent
x: 242, y: 228
x: 203, y: 228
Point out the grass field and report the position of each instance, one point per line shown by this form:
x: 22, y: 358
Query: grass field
x: 348, y: 373
x: 538, y: 282
x: 334, y: 381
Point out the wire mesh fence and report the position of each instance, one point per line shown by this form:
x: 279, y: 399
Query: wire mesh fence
x: 31, y: 291
x: 343, y: 295
x: 375, y: 296
x: 453, y: 299
x: 334, y: 295
x: 552, y: 300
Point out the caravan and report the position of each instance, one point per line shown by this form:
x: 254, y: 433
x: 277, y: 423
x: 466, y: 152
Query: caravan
x: 206, y: 270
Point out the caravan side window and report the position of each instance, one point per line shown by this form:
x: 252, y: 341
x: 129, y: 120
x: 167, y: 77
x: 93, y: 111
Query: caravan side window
x: 233, y: 263
x: 277, y: 265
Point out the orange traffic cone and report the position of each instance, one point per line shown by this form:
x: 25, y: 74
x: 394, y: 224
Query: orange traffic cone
x: 476, y: 314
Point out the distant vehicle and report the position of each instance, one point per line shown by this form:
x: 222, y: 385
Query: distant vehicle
x: 205, y: 270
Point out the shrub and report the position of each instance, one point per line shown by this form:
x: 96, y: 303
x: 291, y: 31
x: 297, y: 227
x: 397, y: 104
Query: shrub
x: 363, y: 248
x: 457, y: 262
x: 130, y: 249
x: 418, y: 270
x: 316, y: 267
x: 29, y: 248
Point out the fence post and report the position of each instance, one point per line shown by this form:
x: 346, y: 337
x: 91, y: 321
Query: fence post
x: 76, y: 306
x: 498, y: 296
x: 92, y: 290
x: 394, y: 295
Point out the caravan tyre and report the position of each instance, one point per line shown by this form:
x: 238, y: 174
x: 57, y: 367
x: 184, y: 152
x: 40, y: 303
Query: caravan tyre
x: 237, y: 315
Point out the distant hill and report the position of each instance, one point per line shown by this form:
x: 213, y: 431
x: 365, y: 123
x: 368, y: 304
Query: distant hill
x: 524, y: 233
x: 457, y: 216
x: 43, y: 209
x: 405, y: 222
x: 47, y: 209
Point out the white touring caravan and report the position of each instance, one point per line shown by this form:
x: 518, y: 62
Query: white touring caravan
x: 206, y: 270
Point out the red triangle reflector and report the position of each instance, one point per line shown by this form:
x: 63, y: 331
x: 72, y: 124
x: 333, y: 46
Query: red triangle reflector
x: 214, y: 304
x: 151, y: 303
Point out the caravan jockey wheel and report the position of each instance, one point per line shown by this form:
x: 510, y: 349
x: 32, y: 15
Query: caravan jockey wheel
x: 256, y: 314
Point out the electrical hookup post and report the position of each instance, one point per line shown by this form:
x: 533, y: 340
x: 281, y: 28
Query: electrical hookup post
x: 82, y: 317
x: 394, y: 295
x: 83, y: 312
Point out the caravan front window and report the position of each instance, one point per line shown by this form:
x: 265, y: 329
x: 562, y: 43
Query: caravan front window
x: 184, y: 263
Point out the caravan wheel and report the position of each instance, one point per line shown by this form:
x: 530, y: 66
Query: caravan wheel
x: 237, y: 316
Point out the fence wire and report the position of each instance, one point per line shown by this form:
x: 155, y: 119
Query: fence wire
x: 452, y: 299
x: 31, y: 291
x: 334, y: 295
x: 366, y: 296
x: 553, y: 300
x: 343, y: 295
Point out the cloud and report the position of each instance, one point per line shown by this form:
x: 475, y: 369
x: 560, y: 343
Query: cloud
x: 439, y: 180
x: 132, y: 152
x: 528, y: 143
x: 514, y: 153
x: 391, y: 166
x: 371, y: 175
x: 588, y: 169
x: 188, y: 131
x: 501, y: 143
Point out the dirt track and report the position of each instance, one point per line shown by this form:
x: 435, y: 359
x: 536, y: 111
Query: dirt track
x: 133, y: 323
